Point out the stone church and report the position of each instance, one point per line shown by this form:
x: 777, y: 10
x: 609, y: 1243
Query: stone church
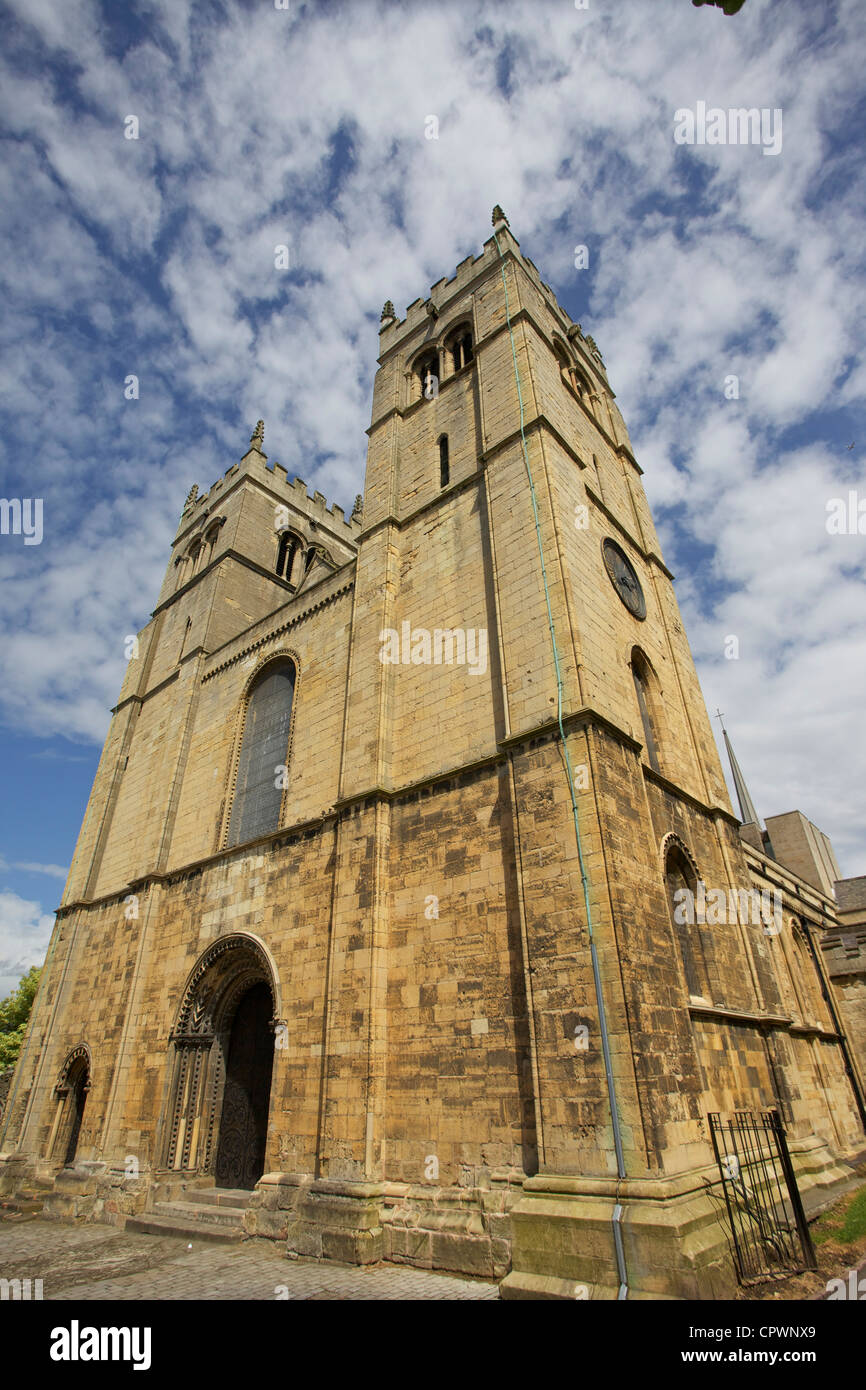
x: 374, y: 940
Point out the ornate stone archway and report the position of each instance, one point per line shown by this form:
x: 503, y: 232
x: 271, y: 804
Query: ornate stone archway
x: 227, y: 973
x: 70, y: 1093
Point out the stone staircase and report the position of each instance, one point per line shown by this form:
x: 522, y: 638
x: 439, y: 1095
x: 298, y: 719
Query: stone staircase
x: 27, y: 1202
x: 201, y: 1213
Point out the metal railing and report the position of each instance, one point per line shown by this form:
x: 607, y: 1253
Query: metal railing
x: 766, y: 1220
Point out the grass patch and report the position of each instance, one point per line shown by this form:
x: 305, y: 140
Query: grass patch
x: 839, y: 1236
x: 845, y: 1222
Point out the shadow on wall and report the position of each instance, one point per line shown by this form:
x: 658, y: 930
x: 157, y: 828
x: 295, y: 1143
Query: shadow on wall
x: 5, y: 1085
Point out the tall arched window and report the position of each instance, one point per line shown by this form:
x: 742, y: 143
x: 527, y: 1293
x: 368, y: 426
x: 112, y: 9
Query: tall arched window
x: 682, y: 889
x: 444, y: 467
x: 261, y: 774
x: 807, y: 982
x: 645, y: 699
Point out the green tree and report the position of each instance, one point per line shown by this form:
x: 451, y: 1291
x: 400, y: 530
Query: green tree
x: 14, y: 1013
x: 727, y: 6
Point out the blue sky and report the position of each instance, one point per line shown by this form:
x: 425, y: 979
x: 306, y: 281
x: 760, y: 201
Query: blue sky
x: 306, y: 126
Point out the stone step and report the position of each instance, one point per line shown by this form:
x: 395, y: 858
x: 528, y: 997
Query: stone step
x: 197, y: 1212
x: 219, y: 1196
x: 22, y: 1205
x: 156, y: 1225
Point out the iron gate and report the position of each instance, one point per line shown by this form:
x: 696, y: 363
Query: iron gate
x: 765, y: 1214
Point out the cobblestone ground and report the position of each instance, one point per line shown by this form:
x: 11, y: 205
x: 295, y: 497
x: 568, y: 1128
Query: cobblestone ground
x: 100, y: 1262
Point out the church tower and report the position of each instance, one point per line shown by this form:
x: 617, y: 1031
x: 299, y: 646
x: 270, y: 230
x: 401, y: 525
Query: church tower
x: 409, y: 882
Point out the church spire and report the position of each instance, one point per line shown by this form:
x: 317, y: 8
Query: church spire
x: 748, y: 814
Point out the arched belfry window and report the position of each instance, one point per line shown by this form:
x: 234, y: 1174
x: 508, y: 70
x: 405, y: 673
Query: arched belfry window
x: 566, y: 366
x: 444, y: 465
x: 573, y: 376
x: 209, y: 545
x: 686, y: 907
x: 582, y: 387
x: 646, y: 699
x: 262, y: 761
x: 427, y: 376
x: 287, y: 549
x: 460, y: 348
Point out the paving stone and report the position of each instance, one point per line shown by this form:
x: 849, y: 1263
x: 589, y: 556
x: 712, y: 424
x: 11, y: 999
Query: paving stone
x: 91, y: 1263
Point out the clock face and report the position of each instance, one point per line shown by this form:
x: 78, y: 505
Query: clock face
x: 624, y: 578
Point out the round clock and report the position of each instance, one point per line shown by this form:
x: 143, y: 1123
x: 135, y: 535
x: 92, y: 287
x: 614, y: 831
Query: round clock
x: 623, y: 578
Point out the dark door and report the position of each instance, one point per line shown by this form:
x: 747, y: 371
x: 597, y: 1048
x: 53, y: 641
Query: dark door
x: 240, y: 1158
x: 77, y: 1097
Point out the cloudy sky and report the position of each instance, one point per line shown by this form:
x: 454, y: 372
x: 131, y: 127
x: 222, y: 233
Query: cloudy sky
x: 307, y: 126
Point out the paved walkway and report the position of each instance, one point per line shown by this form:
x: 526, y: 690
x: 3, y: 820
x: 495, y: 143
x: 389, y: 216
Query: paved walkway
x: 94, y: 1262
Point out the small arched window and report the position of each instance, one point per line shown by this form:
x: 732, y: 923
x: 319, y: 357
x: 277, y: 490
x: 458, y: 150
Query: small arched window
x: 444, y: 467
x: 681, y: 884
x: 646, y: 700
x: 262, y: 762
x: 427, y: 376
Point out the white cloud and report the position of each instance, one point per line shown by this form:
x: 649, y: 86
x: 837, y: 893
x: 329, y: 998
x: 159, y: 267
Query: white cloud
x: 25, y: 931
x: 156, y: 257
x: 52, y: 870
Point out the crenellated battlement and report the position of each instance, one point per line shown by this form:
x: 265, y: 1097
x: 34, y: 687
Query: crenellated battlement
x: 255, y: 463
x: 394, y: 332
